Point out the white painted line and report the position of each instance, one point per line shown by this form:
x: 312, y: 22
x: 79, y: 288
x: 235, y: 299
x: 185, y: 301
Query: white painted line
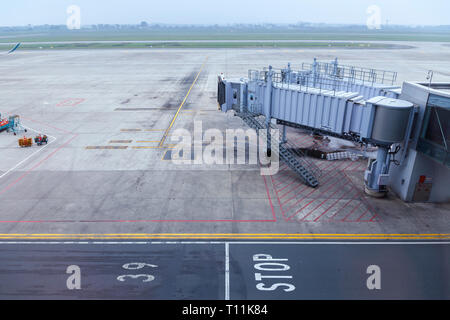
x: 122, y: 243
x: 34, y: 153
x: 227, y: 271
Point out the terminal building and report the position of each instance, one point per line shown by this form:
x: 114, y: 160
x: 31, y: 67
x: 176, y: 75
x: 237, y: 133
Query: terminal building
x: 424, y: 175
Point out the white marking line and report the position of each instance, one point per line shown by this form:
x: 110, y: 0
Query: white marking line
x: 34, y: 153
x: 227, y: 271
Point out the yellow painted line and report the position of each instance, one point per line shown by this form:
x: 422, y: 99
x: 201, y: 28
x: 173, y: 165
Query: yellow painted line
x: 196, y: 113
x: 200, y: 110
x: 147, y: 141
x: 156, y: 147
x: 219, y: 238
x: 140, y: 130
x: 106, y: 148
x: 181, y: 105
x: 229, y: 234
x: 164, y: 156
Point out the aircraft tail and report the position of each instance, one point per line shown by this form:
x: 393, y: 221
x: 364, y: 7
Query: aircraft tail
x: 15, y: 48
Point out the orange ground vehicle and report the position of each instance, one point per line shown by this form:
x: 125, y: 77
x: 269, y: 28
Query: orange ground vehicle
x: 25, y: 142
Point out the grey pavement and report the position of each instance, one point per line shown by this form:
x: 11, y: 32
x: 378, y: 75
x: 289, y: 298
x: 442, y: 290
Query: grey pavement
x: 86, y: 183
x: 225, y: 270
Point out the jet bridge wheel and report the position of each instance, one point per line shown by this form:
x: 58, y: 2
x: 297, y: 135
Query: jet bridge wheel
x: 375, y: 194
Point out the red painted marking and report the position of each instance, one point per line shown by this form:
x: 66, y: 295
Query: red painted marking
x: 174, y: 221
x: 293, y: 197
x: 282, y: 180
x: 337, y: 212
x: 353, y: 188
x: 281, y: 207
x: 332, y: 185
x: 46, y: 124
x: 330, y: 163
x: 41, y: 221
x: 354, y: 192
x: 322, y: 203
x: 117, y: 221
x: 70, y: 102
x: 361, y: 166
x: 357, y: 166
x: 347, y: 203
x: 351, y: 212
x: 334, y: 204
x: 270, y: 199
x: 290, y: 184
x: 299, y: 210
x: 359, y: 219
x: 296, y: 187
x: 292, y: 179
x: 323, y: 192
x: 300, y: 140
x: 305, y: 187
x: 315, y: 190
x: 362, y: 199
x: 300, y: 184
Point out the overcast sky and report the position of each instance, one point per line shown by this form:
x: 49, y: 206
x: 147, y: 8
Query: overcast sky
x: 406, y: 12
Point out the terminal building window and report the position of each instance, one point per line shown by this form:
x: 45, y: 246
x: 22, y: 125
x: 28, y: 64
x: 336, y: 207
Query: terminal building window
x: 435, y: 138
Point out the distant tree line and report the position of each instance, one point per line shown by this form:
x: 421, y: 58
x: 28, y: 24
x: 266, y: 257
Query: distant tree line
x: 301, y: 26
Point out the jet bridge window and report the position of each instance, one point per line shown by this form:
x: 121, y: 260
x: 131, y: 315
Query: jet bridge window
x: 221, y: 93
x: 438, y: 130
x: 435, y: 137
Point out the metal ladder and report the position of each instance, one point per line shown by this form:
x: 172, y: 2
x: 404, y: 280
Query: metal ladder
x: 306, y: 170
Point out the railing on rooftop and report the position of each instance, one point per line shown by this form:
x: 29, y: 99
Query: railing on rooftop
x: 303, y: 81
x: 326, y: 76
x: 352, y: 73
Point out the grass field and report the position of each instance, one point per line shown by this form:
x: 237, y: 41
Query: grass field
x: 215, y: 38
x: 225, y: 44
x: 221, y: 34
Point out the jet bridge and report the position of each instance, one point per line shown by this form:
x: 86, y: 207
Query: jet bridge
x: 350, y: 103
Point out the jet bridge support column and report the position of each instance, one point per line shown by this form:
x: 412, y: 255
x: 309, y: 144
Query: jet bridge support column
x: 388, y: 125
x: 377, y: 175
x: 268, y: 108
x: 284, y: 138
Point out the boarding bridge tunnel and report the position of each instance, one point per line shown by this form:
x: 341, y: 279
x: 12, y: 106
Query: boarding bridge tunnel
x: 319, y: 100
